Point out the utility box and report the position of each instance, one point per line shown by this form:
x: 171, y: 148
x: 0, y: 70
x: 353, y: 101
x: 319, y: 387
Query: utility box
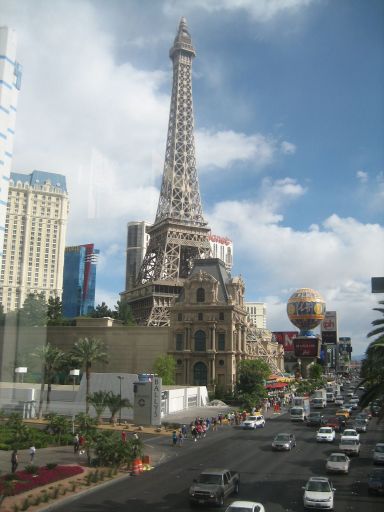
x: 147, y: 402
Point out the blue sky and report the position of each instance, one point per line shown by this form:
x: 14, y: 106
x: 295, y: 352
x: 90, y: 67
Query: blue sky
x: 289, y: 120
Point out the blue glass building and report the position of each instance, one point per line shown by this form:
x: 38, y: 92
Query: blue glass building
x: 79, y: 281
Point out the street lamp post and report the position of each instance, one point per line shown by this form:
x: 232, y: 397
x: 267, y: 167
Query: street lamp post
x: 73, y: 373
x: 120, y: 379
x: 21, y: 370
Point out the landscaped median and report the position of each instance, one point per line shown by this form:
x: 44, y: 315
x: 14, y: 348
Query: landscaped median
x: 32, y: 491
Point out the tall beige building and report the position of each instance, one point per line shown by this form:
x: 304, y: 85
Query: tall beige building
x: 257, y: 314
x: 34, y: 239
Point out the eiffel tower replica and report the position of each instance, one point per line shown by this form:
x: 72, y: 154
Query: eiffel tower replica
x: 179, y: 234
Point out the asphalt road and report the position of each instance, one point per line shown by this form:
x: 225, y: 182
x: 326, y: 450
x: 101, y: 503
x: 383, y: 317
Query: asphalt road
x: 273, y: 478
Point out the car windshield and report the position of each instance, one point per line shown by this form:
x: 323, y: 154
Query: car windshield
x: 316, y: 486
x: 349, y: 432
x: 337, y: 458
x: 325, y: 430
x: 251, y: 418
x: 296, y: 410
x: 282, y: 437
x: 210, y: 479
x: 379, y: 448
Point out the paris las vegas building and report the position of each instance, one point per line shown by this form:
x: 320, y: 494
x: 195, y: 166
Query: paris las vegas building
x: 185, y: 302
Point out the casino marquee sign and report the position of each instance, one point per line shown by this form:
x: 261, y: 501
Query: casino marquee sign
x: 306, y: 346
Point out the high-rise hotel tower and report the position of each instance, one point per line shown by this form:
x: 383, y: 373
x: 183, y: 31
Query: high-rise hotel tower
x: 34, y: 238
x: 10, y: 81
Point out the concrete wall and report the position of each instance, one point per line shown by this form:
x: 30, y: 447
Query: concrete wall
x: 130, y: 349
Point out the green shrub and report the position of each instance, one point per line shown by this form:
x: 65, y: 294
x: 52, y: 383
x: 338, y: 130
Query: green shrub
x: 37, y: 501
x: 31, y: 468
x: 55, y: 493
x: 11, y: 476
x: 25, y: 505
x: 51, y: 465
x: 44, y: 497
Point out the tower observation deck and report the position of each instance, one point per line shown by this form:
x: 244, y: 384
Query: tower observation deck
x: 179, y: 234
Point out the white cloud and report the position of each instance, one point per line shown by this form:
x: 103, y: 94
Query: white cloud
x: 362, y: 176
x: 337, y: 257
x: 222, y: 149
x: 288, y: 148
x: 260, y: 10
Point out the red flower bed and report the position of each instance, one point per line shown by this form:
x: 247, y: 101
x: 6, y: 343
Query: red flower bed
x: 44, y: 476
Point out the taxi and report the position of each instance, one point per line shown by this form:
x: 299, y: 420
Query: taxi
x: 342, y: 412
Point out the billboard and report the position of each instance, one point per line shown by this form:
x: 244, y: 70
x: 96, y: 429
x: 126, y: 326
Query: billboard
x: 306, y: 346
x: 285, y: 338
x: 329, y: 328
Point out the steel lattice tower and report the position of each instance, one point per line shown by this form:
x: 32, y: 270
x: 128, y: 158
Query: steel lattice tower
x: 180, y: 233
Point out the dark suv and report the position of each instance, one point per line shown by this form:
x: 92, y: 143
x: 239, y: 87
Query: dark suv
x: 315, y: 419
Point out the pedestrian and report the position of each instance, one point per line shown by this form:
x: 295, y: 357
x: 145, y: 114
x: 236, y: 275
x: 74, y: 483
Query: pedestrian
x: 174, y: 438
x: 184, y: 431
x: 194, y: 433
x: 123, y: 436
x: 81, y: 444
x: 14, y: 461
x: 180, y: 438
x: 76, y: 444
x: 32, y: 452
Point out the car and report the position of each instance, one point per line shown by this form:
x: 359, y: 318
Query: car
x: 363, y: 416
x: 350, y: 393
x: 342, y: 412
x: 253, y: 422
x: 325, y: 434
x: 336, y: 422
x: 360, y: 425
x: 245, y: 506
x: 354, y: 402
x: 351, y: 432
x: 376, y: 481
x: 338, y: 463
x: 339, y: 400
x: 213, y: 486
x: 349, y: 445
x: 284, y: 441
x: 315, y: 419
x: 378, y: 454
x: 319, y: 493
x: 348, y: 407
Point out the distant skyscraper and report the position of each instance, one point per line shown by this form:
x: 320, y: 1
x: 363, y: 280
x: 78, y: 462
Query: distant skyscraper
x: 10, y: 81
x: 34, y: 238
x: 222, y: 247
x: 137, y: 242
x: 257, y: 314
x: 79, y: 281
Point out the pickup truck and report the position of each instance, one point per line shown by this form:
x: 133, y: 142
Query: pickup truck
x: 213, y: 486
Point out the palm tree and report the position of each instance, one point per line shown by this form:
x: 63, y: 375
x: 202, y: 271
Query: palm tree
x: 372, y: 370
x: 52, y: 359
x: 115, y: 403
x: 99, y: 401
x: 87, y: 351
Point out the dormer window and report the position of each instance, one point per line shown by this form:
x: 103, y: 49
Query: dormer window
x: 200, y: 295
